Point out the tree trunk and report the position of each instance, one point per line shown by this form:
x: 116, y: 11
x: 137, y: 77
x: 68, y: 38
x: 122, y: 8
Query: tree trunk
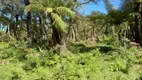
x: 138, y: 26
x: 59, y: 39
x: 73, y: 34
x: 85, y: 36
x: 63, y: 47
x: 55, y: 36
x: 93, y: 34
x: 15, y: 27
x: 28, y: 22
x: 140, y: 23
x: 136, y: 23
x: 76, y: 34
x: 71, y: 31
x: 55, y: 33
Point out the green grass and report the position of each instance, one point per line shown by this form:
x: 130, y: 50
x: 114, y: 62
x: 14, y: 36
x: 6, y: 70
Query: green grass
x: 20, y: 63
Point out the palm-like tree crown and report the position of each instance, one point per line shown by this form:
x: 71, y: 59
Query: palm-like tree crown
x: 57, y: 9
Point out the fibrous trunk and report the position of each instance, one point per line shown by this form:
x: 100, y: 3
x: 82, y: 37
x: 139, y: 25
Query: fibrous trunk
x: 136, y: 23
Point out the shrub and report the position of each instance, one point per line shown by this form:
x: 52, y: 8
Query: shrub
x: 121, y: 64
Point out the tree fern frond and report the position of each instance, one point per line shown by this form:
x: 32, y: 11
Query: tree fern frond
x: 34, y: 7
x: 1, y: 4
x: 64, y: 11
x: 59, y: 23
x: 139, y: 1
x: 108, y: 5
x: 49, y: 10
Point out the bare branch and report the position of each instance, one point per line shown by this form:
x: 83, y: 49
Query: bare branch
x: 86, y: 2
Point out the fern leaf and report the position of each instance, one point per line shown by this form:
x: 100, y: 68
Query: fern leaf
x: 59, y: 23
x: 64, y: 11
x: 34, y: 7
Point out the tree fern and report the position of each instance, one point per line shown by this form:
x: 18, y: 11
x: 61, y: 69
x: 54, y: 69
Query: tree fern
x: 34, y: 7
x: 59, y: 23
x: 48, y: 9
x: 66, y: 12
x: 1, y: 3
x: 51, y: 7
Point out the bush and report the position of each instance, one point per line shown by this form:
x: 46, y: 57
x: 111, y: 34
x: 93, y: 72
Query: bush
x: 19, y: 64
